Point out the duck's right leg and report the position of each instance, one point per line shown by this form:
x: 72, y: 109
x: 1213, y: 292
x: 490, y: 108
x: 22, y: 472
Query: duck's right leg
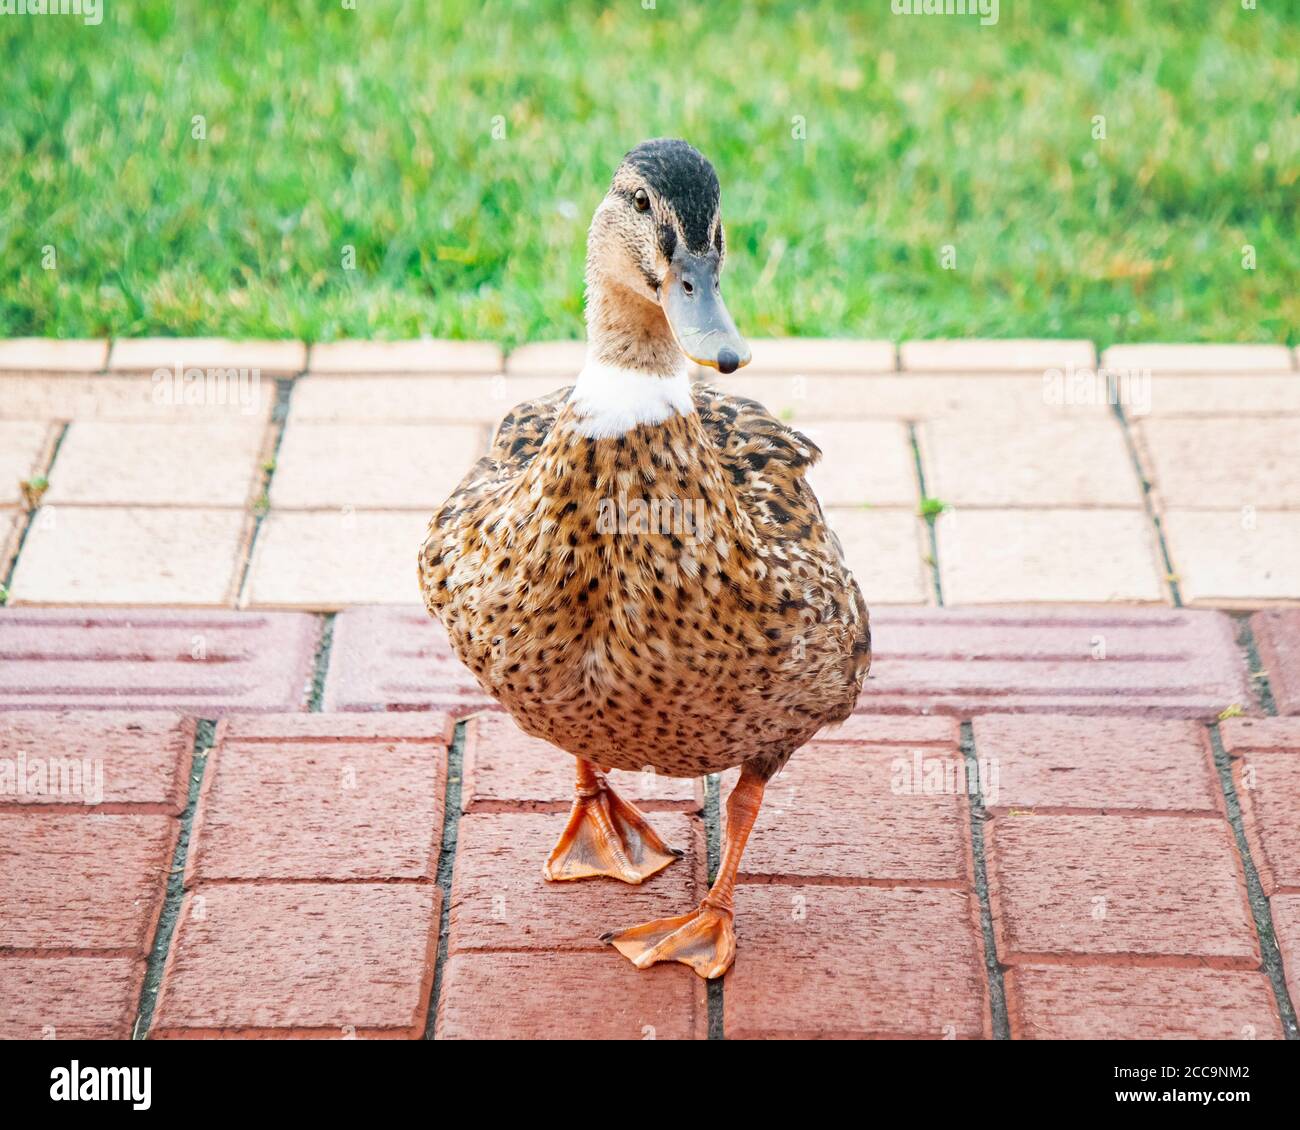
x: 606, y: 835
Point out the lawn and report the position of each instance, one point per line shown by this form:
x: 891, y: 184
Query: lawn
x: 460, y: 148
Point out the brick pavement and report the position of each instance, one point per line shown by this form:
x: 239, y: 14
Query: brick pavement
x: 1068, y: 766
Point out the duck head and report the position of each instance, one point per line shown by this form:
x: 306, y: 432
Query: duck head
x: 654, y: 259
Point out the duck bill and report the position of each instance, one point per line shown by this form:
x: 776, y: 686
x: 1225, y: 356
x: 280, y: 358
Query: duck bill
x: 699, y: 319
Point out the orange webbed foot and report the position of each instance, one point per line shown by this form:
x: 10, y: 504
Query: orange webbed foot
x: 607, y: 835
x: 705, y: 940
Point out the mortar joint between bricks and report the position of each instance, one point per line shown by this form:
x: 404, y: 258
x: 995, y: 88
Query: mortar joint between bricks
x: 206, y: 735
x: 261, y: 507
x: 1260, y: 907
x: 29, y: 515
x: 1148, y: 505
x: 451, y: 814
x: 978, y: 814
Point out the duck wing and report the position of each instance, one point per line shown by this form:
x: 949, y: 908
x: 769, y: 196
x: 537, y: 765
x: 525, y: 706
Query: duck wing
x: 767, y: 461
x: 516, y: 443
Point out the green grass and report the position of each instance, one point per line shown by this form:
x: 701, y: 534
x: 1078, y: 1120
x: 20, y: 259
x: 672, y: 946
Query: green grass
x: 374, y: 128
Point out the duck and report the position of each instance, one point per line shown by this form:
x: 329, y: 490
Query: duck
x: 638, y: 571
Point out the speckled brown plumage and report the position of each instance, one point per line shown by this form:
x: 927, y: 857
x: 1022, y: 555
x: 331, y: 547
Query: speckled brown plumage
x: 635, y: 647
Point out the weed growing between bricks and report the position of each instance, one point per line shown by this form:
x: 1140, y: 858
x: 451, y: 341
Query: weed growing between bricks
x: 30, y: 515
x: 930, y: 509
x: 204, y: 739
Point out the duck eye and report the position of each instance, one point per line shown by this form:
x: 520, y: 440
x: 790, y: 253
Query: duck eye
x: 642, y: 200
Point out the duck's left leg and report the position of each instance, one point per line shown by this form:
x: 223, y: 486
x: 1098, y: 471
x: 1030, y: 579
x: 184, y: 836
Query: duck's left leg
x: 705, y: 940
x: 606, y: 835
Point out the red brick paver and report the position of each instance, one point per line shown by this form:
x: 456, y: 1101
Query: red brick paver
x: 566, y: 996
x: 818, y: 961
x: 1065, y: 764
x: 84, y: 883
x: 1065, y: 660
x: 386, y: 659
x: 1158, y: 662
x: 893, y: 729
x: 329, y: 960
x: 1056, y: 1003
x: 1121, y: 890
x: 1286, y: 920
x: 69, y: 998
x: 1266, y: 771
x: 505, y: 770
x: 1277, y: 635
x: 207, y: 662
x: 321, y: 805
x: 123, y: 762
x: 886, y: 815
x: 501, y: 902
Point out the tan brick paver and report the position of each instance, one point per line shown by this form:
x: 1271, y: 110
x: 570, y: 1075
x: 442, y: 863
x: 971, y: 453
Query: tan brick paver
x: 1217, y: 396
x: 119, y: 555
x: 66, y: 396
x: 373, y: 466
x: 886, y: 551
x: 1160, y: 358
x: 562, y: 359
x: 817, y: 355
x: 25, y: 449
x: 170, y: 463
x: 420, y: 356
x: 1234, y: 559
x: 998, y: 356
x: 146, y: 354
x: 863, y: 461
x: 51, y: 355
x: 1223, y: 464
x: 1016, y: 556
x: 333, y: 558
x: 466, y: 400
x: 1070, y: 459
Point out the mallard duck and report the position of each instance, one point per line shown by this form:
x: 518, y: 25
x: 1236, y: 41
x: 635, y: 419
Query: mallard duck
x: 638, y: 571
